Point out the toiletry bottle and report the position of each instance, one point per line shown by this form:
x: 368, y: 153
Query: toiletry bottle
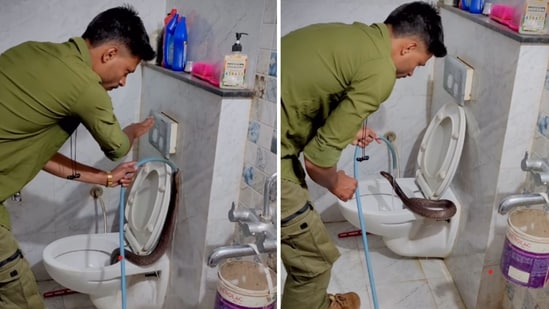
x: 162, y: 38
x: 476, y: 6
x: 168, y: 40
x: 180, y: 45
x: 234, y: 67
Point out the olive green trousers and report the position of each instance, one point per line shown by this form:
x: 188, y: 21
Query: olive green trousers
x: 18, y: 288
x: 307, y: 251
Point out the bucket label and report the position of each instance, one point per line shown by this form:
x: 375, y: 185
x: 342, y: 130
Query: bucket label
x: 525, y: 244
x: 224, y: 302
x: 522, y: 267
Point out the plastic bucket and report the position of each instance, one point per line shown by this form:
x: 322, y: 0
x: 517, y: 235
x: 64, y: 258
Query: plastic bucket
x: 525, y: 257
x: 245, y: 284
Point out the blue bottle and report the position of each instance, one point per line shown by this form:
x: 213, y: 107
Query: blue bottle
x: 476, y: 6
x: 180, y: 45
x: 169, y: 40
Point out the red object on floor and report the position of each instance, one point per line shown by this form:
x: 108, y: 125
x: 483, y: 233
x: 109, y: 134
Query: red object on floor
x: 350, y: 234
x: 59, y: 292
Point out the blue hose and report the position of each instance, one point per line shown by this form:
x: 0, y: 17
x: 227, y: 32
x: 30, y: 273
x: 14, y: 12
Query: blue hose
x: 121, y: 228
x: 361, y: 218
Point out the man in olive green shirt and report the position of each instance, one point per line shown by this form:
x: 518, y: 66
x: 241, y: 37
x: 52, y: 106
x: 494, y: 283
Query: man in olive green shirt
x: 46, y: 91
x: 333, y: 76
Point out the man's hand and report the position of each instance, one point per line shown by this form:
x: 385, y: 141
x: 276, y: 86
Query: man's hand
x: 123, y: 174
x: 364, y: 137
x: 345, y: 186
x: 136, y: 130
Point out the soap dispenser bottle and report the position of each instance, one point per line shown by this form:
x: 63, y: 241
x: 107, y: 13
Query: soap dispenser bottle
x: 234, y: 67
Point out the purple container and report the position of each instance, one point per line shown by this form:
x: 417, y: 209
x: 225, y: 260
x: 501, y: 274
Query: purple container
x: 525, y: 256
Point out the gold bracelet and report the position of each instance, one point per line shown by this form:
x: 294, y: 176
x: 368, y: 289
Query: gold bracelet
x: 109, y: 180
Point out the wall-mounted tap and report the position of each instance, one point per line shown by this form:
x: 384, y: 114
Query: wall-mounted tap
x: 242, y: 215
x: 258, y: 228
x: 269, y: 195
x: 538, y: 167
x: 251, y: 225
x: 526, y: 199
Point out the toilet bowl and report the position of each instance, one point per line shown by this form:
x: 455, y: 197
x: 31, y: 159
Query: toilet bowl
x: 404, y: 232
x: 82, y: 262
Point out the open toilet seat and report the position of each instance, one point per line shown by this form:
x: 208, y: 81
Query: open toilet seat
x: 440, y: 151
x: 147, y: 205
x: 384, y: 213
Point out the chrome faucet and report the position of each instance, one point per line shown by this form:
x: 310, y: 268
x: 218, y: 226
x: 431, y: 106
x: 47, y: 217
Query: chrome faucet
x: 526, y: 199
x: 268, y: 197
x: 242, y: 215
x: 538, y: 167
x: 251, y: 225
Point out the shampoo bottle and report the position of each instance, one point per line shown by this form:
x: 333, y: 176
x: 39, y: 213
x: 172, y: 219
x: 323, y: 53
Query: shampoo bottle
x: 234, y: 67
x: 180, y: 45
x: 168, y: 40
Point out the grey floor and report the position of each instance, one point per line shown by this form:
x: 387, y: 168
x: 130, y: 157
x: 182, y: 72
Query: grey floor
x: 401, y: 283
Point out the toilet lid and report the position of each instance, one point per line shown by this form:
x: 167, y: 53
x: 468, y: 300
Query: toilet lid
x: 440, y: 151
x: 147, y: 205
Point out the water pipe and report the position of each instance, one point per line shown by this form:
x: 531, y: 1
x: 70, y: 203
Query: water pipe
x: 361, y: 217
x: 121, y: 228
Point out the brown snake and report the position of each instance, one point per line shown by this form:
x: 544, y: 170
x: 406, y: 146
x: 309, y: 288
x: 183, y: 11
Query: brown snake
x: 165, y: 236
x: 433, y: 209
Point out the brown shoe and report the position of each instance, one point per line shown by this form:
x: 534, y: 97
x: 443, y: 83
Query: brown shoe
x: 344, y: 301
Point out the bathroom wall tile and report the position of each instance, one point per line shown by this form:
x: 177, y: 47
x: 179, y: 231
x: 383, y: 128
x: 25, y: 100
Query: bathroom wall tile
x: 253, y: 131
x: 273, y: 64
x: 261, y: 159
x: 266, y: 112
x: 274, y: 142
x: 269, y: 15
x: 251, y: 152
x: 248, y: 174
x: 543, y: 125
x: 268, y: 32
x: 263, y: 62
x: 270, y: 89
x: 265, y: 136
x: 259, y: 88
x: 245, y: 196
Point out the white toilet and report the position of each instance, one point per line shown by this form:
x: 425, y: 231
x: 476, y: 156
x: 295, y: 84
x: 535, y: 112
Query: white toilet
x: 82, y: 262
x: 403, y: 231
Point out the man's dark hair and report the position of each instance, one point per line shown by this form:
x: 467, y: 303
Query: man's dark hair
x: 120, y: 24
x: 419, y: 19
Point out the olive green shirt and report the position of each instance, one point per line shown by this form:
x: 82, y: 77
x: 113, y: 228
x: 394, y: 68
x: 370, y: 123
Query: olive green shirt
x: 333, y: 76
x: 46, y: 91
